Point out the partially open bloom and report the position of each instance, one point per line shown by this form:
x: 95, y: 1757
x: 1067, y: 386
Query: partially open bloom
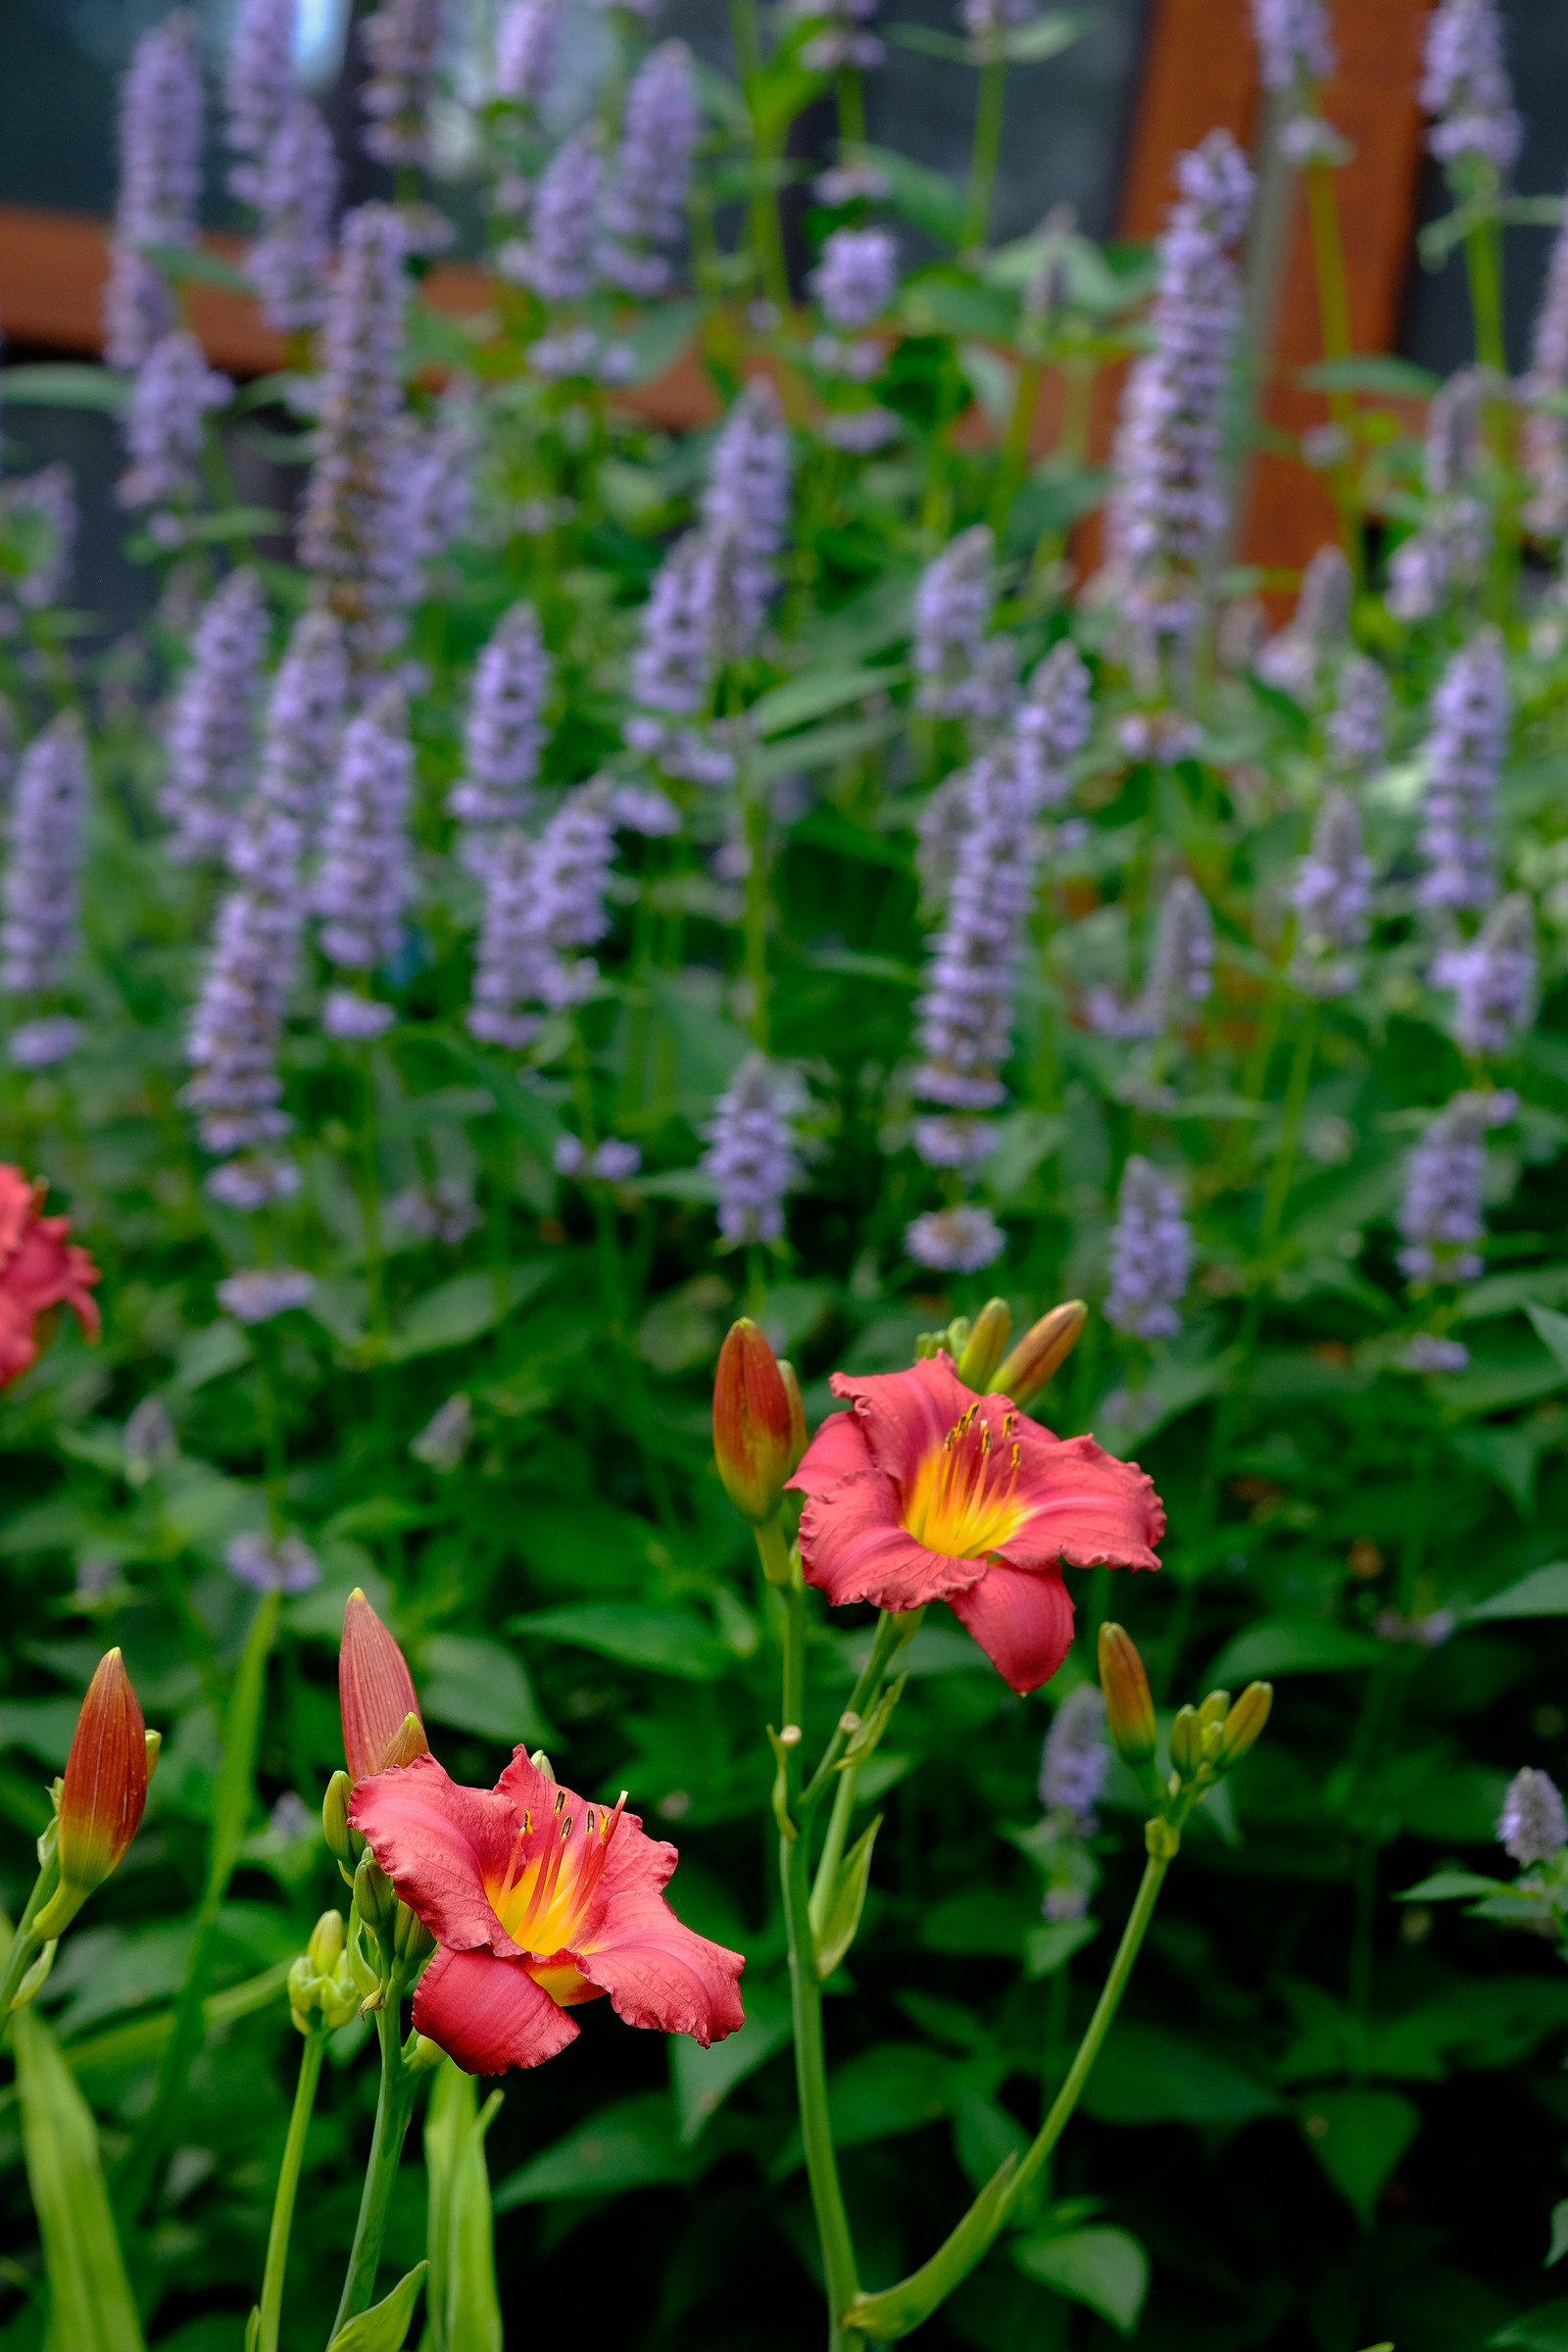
x: 925, y: 1492
x: 103, y: 1794
x: 39, y: 1268
x: 375, y: 1695
x: 758, y: 1432
x: 539, y: 1902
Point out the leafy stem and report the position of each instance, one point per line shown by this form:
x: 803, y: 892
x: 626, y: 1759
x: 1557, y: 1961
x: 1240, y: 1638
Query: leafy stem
x: 288, y: 2181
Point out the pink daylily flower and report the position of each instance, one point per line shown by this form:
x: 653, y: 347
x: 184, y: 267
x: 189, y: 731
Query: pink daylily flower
x: 539, y: 1902
x: 925, y: 1492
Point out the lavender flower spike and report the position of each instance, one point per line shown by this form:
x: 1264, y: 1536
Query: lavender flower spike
x: 160, y: 184
x: 508, y: 968
x: 1182, y: 971
x: 166, y: 422
x: 258, y: 88
x: 1544, y: 443
x: 211, y: 735
x: 956, y: 1240
x: 1076, y: 1760
x: 751, y: 1155
x: 366, y: 879
x: 296, y: 193
x: 1534, y: 1823
x: 305, y: 721
x: 238, y: 1018
x: 1168, y: 514
x: 1051, y: 725
x: 504, y: 732
x: 1316, y: 632
x: 952, y: 614
x: 43, y: 848
x: 1465, y: 86
x: 1294, y: 44
x: 557, y: 260
x: 842, y: 40
x: 1464, y: 754
x: 351, y: 505
x: 856, y: 278
x: 525, y: 51
x: 1358, y: 725
x: 645, y: 203
x: 747, y: 502
x: 1493, y: 978
x: 541, y: 899
x: 400, y: 40
x: 673, y: 667
x: 1441, y: 1215
x: 1150, y: 1255
x: 1332, y: 896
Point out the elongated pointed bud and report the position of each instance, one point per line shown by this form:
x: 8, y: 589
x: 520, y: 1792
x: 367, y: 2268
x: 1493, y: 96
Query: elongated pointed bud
x: 381, y: 1723
x: 984, y: 1347
x: 326, y: 1947
x: 754, y: 1424
x: 1187, y: 1744
x: 1129, y: 1708
x: 374, y: 1899
x: 103, y: 1794
x: 1044, y: 1348
x: 791, y: 1389
x: 340, y: 1838
x: 411, y: 1940
x: 154, y: 1742
x: 1243, y: 1724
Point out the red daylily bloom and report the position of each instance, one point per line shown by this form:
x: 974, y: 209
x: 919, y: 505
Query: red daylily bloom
x: 39, y: 1269
x: 925, y: 1492
x: 539, y: 1902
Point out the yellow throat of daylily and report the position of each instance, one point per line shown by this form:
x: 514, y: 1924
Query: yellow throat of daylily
x: 543, y: 1899
x: 962, y: 1500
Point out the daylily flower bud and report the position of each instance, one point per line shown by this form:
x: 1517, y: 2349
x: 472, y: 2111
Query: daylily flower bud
x: 1243, y: 1724
x: 983, y: 1348
x: 103, y: 1794
x: 1045, y: 1346
x: 376, y: 1693
x: 1129, y: 1708
x: 326, y: 1947
x: 374, y: 1899
x: 791, y: 1389
x: 411, y: 1940
x: 154, y: 1742
x: 755, y: 1428
x: 342, y: 1843
x: 1187, y: 1744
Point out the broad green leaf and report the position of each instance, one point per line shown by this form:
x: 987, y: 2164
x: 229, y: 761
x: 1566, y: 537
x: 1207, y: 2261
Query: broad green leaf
x: 1542, y: 2331
x: 1280, y: 1647
x: 1401, y: 380
x: 1047, y: 37
x: 1451, y: 1885
x: 197, y: 265
x: 977, y: 1922
x: 1559, y: 2235
x: 926, y: 41
x: 882, y: 2093
x: 629, y: 2145
x: 65, y: 384
x: 668, y: 1641
x: 1506, y: 1293
x: 1551, y: 1328
x: 1146, y: 2075
x: 384, y: 2325
x: 44, y: 1727
x: 1358, y: 2138
x: 462, y: 2308
x: 1458, y: 1806
x: 1107, y: 2269
x: 458, y: 1310
x: 479, y: 1686
x: 234, y: 522
x: 929, y: 199
x: 1544, y: 1592
x: 841, y: 1920
x: 825, y: 747
x: 1050, y: 1947
x: 91, y: 2306
x: 813, y: 694
x: 658, y: 339
x: 209, y: 1353
x: 701, y: 2080
x: 898, y: 2310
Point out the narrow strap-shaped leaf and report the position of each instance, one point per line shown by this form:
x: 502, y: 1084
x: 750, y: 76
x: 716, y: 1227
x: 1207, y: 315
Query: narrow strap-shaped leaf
x: 91, y: 2306
x: 841, y: 1921
x: 383, y: 2328
x: 898, y: 2310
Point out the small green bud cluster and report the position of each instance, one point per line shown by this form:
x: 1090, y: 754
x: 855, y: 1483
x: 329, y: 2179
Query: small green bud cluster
x: 320, y: 1978
x: 1205, y: 1742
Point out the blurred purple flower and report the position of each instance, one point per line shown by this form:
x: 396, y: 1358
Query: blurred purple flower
x: 212, y: 734
x: 1150, y: 1255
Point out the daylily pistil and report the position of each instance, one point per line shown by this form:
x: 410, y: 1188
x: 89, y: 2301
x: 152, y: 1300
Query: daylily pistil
x: 963, y: 1499
x: 551, y: 1877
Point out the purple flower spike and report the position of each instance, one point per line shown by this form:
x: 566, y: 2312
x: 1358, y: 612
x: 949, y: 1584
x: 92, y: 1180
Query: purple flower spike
x: 1293, y: 45
x: 1168, y: 513
x: 160, y: 184
x: 1358, y: 725
x: 956, y: 1240
x: 504, y: 733
x: 1182, y: 972
x: 267, y: 1564
x: 296, y: 196
x: 365, y: 880
x: 212, y: 734
x: 1544, y: 443
x: 1333, y: 898
x: 167, y: 423
x: 38, y: 891
x: 644, y: 204
x: 350, y: 524
x: 1464, y: 754
x: 1075, y: 1760
x: 1150, y: 1255
x: 1466, y: 86
x: 1316, y: 635
x: 952, y: 614
x: 509, y: 967
x: 841, y: 40
x: 747, y: 504
x: 305, y: 721
x: 238, y: 1020
x: 1493, y: 978
x: 402, y: 38
x: 259, y: 88
x: 1534, y: 1823
x: 525, y: 51
x: 1441, y: 1216
x: 558, y: 260
x: 751, y: 1155
x: 672, y: 669
x: 856, y: 279
x: 542, y: 899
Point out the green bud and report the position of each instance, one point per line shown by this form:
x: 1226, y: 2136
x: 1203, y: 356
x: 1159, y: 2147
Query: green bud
x: 1187, y: 1744
x: 326, y: 1947
x: 374, y: 1899
x: 424, y: 2054
x: 340, y: 2000
x: 340, y: 1838
x: 411, y: 1940
x: 1243, y: 1724
x: 1129, y: 1708
x: 984, y: 1345
x: 1215, y: 1707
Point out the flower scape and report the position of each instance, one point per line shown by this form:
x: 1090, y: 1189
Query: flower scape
x: 783, y: 1318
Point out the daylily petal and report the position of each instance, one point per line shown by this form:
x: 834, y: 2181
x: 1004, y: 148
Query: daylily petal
x: 854, y: 1548
x: 838, y: 1451
x: 660, y: 1973
x: 1022, y: 1621
x: 906, y: 1415
x: 438, y: 1843
x: 488, y: 2014
x: 1090, y: 1510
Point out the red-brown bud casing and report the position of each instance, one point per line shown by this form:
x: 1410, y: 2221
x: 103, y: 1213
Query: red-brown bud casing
x: 104, y: 1791
x: 1129, y: 1708
x: 376, y: 1693
x: 791, y: 1389
x: 1045, y: 1346
x: 758, y: 1427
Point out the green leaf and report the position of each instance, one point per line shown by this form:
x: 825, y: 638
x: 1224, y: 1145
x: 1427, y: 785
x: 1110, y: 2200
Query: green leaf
x: 658, y: 339
x: 981, y: 1922
x: 65, y: 384
x: 1358, y: 2138
x: 462, y: 2308
x: 898, y: 2310
x: 701, y: 2080
x: 479, y: 1686
x: 1544, y: 1592
x: 1551, y: 1328
x: 1280, y: 1647
x: 813, y: 694
x: 1450, y: 1886
x: 233, y: 522
x: 1047, y: 37
x: 1107, y: 2269
x: 458, y: 1310
x: 667, y: 1640
x: 841, y: 1920
x: 928, y: 199
x: 91, y: 2306
x: 1400, y: 379
x: 1050, y: 1946
x: 629, y: 2145
x: 1146, y: 2075
x: 197, y: 265
x: 892, y: 2088
x: 1559, y: 2235
x: 926, y: 41
x: 1542, y: 2331
x: 384, y: 2325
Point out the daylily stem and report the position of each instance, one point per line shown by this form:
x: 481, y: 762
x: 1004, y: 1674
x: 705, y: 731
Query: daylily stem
x: 24, y: 1945
x: 393, y: 2109
x: 288, y: 2181
x: 895, y: 1627
x: 806, y: 2001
